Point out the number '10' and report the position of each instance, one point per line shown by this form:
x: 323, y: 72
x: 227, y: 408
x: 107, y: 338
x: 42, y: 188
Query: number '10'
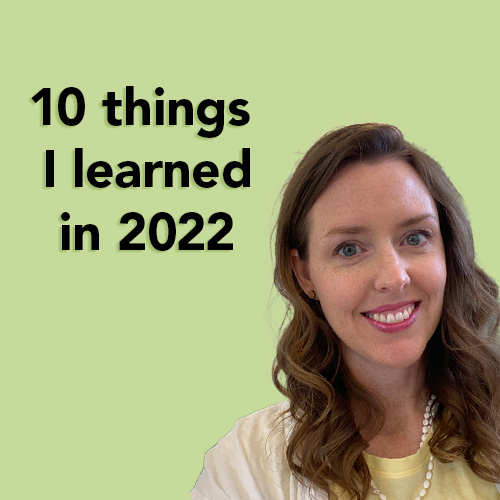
x: 62, y: 102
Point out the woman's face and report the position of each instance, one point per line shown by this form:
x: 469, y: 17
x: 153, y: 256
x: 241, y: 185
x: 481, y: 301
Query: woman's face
x: 376, y: 263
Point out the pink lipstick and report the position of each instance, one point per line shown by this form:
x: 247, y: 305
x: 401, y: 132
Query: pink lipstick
x: 393, y: 317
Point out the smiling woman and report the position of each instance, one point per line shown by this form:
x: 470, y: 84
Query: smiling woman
x: 389, y: 361
x: 372, y: 262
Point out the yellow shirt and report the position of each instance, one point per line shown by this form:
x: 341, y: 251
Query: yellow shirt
x: 403, y: 478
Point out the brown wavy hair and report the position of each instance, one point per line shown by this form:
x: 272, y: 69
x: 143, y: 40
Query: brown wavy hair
x: 463, y: 358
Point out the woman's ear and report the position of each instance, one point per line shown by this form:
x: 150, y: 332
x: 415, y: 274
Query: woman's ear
x: 301, y: 271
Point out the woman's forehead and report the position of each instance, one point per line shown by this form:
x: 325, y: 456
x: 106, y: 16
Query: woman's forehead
x: 377, y: 191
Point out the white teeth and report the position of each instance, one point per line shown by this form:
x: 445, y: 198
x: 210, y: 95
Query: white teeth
x: 391, y: 318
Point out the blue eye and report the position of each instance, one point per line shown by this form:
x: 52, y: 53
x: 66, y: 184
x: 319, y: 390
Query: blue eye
x: 417, y: 239
x: 348, y: 250
x: 414, y: 239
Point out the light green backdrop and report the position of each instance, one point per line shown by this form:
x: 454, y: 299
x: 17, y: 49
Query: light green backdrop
x: 120, y: 369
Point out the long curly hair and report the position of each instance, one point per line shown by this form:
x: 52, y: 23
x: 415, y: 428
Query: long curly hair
x: 463, y: 357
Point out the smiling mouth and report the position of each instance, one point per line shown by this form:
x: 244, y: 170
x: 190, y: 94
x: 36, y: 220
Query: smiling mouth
x: 393, y: 317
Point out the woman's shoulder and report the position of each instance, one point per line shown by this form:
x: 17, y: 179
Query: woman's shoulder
x: 249, y: 463
x: 270, y: 422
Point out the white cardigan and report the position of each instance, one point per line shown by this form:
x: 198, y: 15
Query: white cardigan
x: 249, y: 463
x: 237, y: 469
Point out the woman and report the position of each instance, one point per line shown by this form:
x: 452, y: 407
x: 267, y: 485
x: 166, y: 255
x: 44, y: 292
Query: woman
x: 389, y: 361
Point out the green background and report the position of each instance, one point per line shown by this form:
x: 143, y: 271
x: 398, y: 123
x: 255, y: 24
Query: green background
x: 120, y: 369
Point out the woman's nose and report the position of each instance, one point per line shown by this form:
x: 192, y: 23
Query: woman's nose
x: 391, y: 272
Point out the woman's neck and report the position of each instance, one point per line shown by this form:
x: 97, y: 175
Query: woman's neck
x: 395, y: 384
x: 403, y: 394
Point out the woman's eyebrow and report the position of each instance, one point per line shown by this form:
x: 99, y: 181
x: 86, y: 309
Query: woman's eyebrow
x: 417, y: 219
x: 347, y: 230
x: 363, y: 229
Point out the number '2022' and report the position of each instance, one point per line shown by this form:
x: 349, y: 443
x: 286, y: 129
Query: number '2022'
x: 166, y: 220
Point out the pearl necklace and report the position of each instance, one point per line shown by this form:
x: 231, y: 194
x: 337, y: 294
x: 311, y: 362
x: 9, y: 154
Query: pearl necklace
x: 430, y: 412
